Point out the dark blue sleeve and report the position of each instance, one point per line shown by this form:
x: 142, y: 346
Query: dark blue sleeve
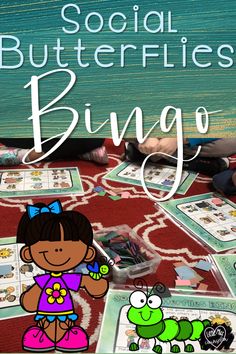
x: 196, y: 142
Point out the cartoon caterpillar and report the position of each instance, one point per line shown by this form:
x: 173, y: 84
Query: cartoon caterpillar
x: 97, y: 271
x: 146, y: 313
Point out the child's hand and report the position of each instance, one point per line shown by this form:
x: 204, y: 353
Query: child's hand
x: 167, y: 145
x: 149, y: 146
x: 95, y: 288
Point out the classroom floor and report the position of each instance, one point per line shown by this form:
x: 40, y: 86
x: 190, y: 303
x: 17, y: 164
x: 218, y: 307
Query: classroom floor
x: 137, y: 211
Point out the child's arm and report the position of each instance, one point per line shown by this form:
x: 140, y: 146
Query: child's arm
x: 149, y: 146
x: 95, y: 288
x: 193, y: 143
x: 165, y: 145
x: 29, y: 299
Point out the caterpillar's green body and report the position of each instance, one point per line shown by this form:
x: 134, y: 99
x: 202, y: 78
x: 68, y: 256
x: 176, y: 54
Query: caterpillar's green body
x: 146, y: 313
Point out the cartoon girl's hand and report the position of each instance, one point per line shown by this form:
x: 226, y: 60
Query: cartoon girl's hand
x: 29, y: 299
x: 95, y: 288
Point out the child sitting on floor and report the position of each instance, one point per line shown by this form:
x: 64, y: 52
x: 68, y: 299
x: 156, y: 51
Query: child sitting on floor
x: 84, y: 149
x: 225, y: 182
x: 211, y: 160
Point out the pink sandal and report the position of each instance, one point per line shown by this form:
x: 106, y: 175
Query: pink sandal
x: 36, y: 340
x: 74, y: 340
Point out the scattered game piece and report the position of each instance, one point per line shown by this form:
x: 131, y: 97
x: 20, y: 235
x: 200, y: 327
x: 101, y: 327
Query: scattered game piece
x: 114, y: 197
x: 185, y: 272
x: 102, y: 193
x: 188, y: 278
x: 198, y: 277
x: 202, y: 286
x: 98, y: 189
x: 195, y: 281
x: 203, y: 265
x: 125, y: 195
x: 112, y: 254
x: 184, y: 288
x: 111, y: 193
x: 117, y: 190
x: 182, y: 282
x: 179, y: 264
x: 118, y: 240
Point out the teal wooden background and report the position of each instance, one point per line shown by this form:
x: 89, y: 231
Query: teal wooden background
x: 120, y: 89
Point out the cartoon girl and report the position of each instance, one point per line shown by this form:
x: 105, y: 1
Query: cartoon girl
x: 56, y: 241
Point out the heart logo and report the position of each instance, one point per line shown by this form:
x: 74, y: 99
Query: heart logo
x: 93, y: 268
x: 215, y: 336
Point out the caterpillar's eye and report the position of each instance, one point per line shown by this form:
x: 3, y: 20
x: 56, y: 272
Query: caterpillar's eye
x: 138, y: 299
x: 154, y: 301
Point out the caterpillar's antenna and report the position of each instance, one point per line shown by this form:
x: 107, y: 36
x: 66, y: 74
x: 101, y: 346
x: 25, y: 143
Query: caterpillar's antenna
x: 140, y: 284
x: 111, y: 262
x: 159, y: 289
x: 103, y: 259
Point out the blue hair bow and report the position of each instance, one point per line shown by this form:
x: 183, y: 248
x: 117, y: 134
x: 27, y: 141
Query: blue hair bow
x: 54, y: 208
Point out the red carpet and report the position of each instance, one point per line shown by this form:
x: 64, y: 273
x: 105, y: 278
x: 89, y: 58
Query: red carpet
x: 138, y: 212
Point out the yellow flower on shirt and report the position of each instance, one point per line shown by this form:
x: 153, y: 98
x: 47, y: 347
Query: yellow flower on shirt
x: 56, y: 294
